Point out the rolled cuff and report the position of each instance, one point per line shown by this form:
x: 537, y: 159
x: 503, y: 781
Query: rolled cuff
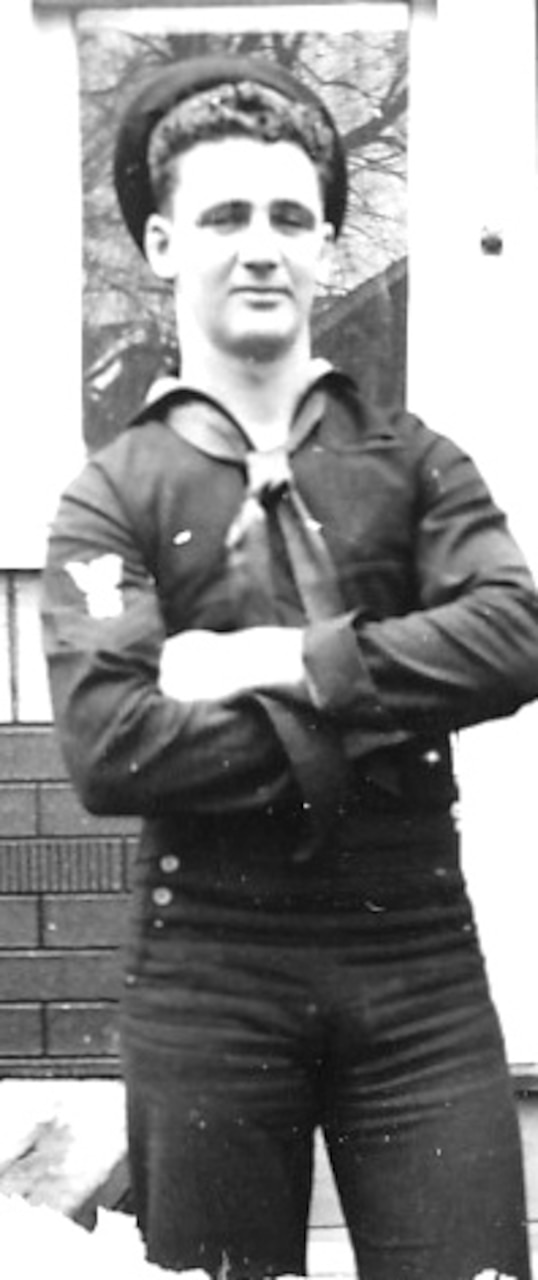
x: 338, y: 679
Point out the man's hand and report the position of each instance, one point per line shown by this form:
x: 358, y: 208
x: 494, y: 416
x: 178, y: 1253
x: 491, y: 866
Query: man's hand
x: 211, y: 665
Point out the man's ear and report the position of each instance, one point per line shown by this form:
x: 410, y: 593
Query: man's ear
x: 326, y: 255
x: 158, y: 246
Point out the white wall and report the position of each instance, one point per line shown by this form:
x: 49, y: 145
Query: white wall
x: 472, y: 373
x: 40, y: 241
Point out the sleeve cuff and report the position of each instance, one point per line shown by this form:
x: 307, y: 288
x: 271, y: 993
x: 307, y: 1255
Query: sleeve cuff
x: 337, y: 677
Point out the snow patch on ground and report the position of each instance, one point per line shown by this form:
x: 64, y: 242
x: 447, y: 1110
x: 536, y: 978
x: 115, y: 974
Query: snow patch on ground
x: 37, y: 1241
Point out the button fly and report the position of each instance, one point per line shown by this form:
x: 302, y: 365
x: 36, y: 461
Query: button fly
x: 169, y: 863
x: 162, y: 896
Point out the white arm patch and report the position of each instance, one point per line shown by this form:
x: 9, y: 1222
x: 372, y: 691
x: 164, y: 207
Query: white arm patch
x: 99, y: 580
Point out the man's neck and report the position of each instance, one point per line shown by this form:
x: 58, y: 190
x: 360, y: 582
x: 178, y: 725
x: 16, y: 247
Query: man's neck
x: 261, y: 395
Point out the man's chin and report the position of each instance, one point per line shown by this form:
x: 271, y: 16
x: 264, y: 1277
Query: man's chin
x: 263, y: 346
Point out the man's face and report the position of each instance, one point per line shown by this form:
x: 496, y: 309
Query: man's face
x: 244, y: 240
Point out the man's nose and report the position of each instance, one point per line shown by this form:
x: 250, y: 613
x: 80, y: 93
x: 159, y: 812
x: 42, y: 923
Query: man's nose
x: 259, y: 242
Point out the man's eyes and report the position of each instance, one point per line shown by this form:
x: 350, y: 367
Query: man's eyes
x: 284, y: 215
x: 230, y: 215
x: 289, y: 215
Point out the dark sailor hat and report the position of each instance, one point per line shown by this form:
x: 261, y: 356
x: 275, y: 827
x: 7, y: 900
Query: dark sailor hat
x: 163, y: 89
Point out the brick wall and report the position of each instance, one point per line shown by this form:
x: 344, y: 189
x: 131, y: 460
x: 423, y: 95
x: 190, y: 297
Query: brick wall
x: 64, y: 880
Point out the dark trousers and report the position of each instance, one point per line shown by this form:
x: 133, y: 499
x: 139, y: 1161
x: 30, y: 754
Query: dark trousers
x: 349, y: 996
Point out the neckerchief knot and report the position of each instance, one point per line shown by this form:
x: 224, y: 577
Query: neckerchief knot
x: 268, y: 474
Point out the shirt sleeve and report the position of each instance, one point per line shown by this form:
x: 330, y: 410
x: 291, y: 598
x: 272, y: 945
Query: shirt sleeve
x: 129, y: 748
x: 468, y: 649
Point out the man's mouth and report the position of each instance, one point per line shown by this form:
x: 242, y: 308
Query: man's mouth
x: 260, y: 297
x: 263, y: 290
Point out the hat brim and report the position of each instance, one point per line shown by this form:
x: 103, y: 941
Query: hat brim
x: 163, y: 89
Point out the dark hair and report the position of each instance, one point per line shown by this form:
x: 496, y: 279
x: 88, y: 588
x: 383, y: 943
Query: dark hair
x: 241, y: 109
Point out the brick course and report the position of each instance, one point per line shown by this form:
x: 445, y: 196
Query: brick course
x: 64, y: 881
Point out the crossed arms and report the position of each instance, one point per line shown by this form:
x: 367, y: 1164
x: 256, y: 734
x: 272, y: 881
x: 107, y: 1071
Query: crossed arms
x: 151, y: 723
